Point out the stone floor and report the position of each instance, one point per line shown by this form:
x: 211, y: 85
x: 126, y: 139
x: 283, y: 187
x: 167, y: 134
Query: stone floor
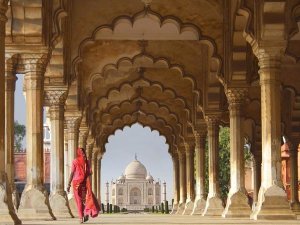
x: 117, y: 219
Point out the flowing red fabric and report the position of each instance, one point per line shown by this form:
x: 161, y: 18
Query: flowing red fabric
x: 86, y: 201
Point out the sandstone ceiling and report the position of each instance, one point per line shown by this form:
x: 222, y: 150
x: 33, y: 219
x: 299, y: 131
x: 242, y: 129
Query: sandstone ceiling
x: 165, y: 65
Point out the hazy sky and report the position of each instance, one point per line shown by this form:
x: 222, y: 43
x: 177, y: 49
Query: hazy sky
x: 150, y: 148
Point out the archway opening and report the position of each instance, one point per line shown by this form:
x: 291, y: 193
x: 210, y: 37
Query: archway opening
x: 141, y: 162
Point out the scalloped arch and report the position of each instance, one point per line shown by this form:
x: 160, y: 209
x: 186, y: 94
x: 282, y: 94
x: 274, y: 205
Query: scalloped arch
x: 165, y: 25
x: 146, y: 60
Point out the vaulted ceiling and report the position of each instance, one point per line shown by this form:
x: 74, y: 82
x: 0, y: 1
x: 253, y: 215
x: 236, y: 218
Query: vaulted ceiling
x: 162, y: 63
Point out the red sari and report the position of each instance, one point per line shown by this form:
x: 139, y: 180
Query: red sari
x: 86, y: 201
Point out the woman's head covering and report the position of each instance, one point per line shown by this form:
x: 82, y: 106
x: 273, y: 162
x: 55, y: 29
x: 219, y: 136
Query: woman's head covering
x: 81, y: 157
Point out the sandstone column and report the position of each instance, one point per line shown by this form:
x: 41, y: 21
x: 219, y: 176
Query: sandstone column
x: 213, y: 205
x: 200, y: 200
x: 66, y: 162
x: 7, y: 211
x: 256, y: 176
x: 175, y: 183
x: 94, y: 169
x: 295, y: 205
x: 58, y: 197
x: 189, y: 153
x: 83, y: 135
x: 10, y: 83
x: 272, y: 199
x: 237, y: 201
x: 98, y: 194
x: 72, y: 128
x: 34, y: 201
x: 182, y: 180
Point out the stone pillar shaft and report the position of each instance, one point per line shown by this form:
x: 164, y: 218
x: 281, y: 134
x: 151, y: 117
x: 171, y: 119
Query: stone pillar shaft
x: 10, y: 81
x: 213, y: 150
x: 200, y: 199
x: 237, y: 201
x: 182, y: 177
x: 189, y: 174
x: 176, y: 185
x: 271, y: 189
x: 99, y: 179
x: 200, y: 164
x: 57, y: 141
x: 34, y: 81
x: 72, y: 127
x: 66, y: 164
x: 94, y: 175
x: 214, y: 206
x: 7, y: 211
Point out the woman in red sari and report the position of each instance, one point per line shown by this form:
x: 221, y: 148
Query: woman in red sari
x: 86, y: 202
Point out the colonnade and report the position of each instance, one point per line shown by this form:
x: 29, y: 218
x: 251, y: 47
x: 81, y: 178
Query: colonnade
x: 68, y: 133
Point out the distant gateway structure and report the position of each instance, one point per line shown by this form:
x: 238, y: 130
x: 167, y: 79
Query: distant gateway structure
x: 135, y: 190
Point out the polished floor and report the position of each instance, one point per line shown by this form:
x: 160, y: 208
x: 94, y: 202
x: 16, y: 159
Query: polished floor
x: 157, y: 219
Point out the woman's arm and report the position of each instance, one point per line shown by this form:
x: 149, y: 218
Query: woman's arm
x: 70, y: 181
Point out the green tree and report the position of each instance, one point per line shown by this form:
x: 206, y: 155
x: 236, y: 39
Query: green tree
x: 223, y: 162
x: 20, y: 131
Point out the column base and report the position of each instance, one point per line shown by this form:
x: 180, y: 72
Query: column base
x: 175, y: 208
x: 188, y: 208
x: 8, y: 215
x: 272, y: 204
x: 73, y: 206
x: 60, y: 205
x: 35, y: 204
x: 180, y: 208
x: 213, y: 207
x: 237, y: 206
x: 295, y: 206
x: 199, y: 206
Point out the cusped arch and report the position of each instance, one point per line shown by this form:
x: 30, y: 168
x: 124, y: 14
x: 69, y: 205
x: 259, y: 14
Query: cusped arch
x: 181, y: 31
x: 139, y: 116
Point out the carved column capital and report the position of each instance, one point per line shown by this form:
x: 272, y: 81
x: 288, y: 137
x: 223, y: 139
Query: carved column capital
x: 200, y: 137
x: 55, y: 97
x: 73, y: 123
x: 3, y: 9
x: 212, y: 119
x: 236, y: 95
x: 269, y: 55
x: 35, y: 63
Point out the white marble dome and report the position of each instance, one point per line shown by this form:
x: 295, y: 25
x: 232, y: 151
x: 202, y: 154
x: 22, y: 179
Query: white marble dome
x: 135, y: 170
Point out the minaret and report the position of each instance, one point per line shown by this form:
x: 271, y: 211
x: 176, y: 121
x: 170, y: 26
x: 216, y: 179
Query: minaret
x: 107, y: 193
x: 164, y: 192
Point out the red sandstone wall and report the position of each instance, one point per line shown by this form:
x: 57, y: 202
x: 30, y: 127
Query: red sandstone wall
x: 20, y: 166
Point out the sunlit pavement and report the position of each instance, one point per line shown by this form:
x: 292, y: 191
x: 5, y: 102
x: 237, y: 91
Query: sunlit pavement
x: 159, y: 219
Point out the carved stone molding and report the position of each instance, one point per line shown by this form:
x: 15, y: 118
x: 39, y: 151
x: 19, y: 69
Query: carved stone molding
x: 33, y: 82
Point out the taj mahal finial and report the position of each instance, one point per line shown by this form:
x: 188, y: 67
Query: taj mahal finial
x: 135, y: 156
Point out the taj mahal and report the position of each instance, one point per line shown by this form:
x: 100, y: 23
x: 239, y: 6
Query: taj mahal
x: 135, y: 190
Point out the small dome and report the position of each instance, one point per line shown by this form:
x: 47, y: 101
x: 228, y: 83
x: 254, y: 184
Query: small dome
x: 122, y: 177
x: 149, y: 177
x: 135, y: 170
